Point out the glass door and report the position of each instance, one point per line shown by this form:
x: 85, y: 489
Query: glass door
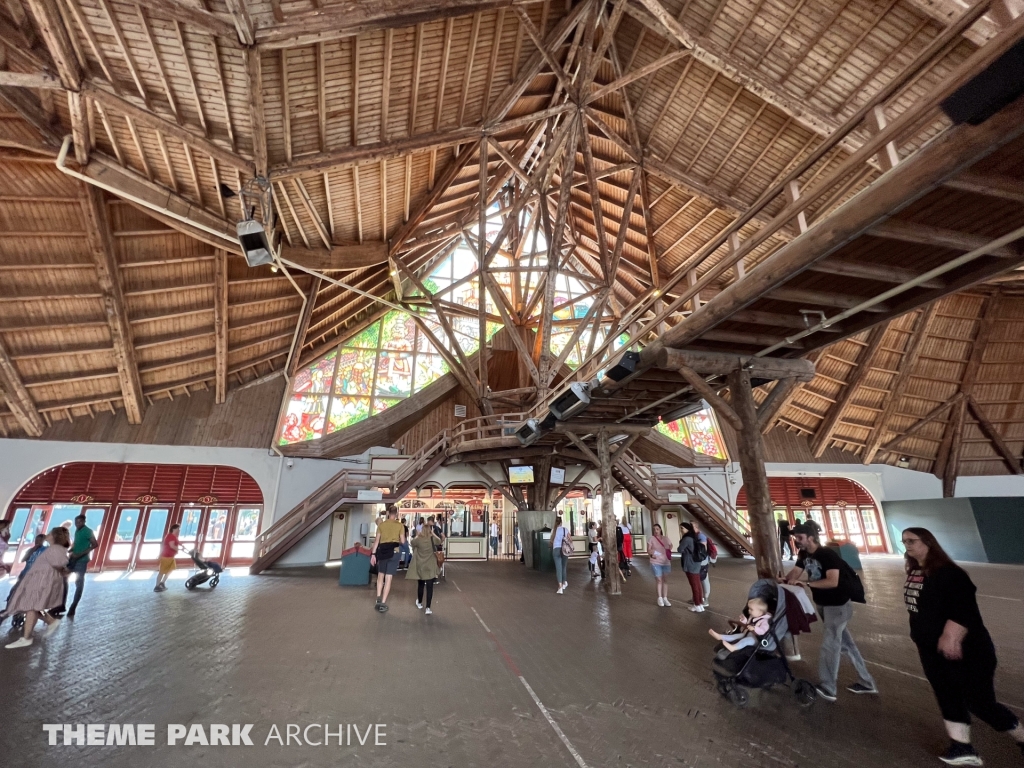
x: 147, y: 555
x: 26, y: 524
x: 192, y: 519
x: 873, y: 530
x: 121, y: 552
x: 243, y: 540
x: 853, y: 528
x: 214, y: 534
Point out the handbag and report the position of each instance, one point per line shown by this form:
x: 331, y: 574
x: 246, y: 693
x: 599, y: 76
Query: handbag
x: 567, y: 545
x: 439, y: 554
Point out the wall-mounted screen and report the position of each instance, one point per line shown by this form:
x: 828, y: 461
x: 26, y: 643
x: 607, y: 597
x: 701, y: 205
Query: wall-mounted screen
x: 520, y: 474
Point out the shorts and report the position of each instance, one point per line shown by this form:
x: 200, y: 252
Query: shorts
x: 660, y: 571
x: 388, y: 567
x: 166, y: 565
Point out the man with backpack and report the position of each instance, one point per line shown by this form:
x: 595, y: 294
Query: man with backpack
x: 835, y: 587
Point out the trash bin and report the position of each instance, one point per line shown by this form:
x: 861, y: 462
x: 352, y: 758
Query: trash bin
x: 543, y: 560
x: 848, y: 551
x: 355, y: 567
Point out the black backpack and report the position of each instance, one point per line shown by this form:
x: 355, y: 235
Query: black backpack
x: 851, y: 583
x: 700, y: 550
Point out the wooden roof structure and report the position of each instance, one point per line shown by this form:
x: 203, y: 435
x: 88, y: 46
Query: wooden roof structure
x: 666, y: 147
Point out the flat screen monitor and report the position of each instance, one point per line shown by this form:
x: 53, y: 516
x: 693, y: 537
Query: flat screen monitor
x: 520, y: 474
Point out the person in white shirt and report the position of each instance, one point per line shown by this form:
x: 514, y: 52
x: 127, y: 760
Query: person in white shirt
x: 494, y: 537
x: 593, y: 544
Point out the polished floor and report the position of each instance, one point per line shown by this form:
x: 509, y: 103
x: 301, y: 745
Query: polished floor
x: 505, y: 673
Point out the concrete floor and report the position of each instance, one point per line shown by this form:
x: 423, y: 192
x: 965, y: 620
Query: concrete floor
x: 624, y: 682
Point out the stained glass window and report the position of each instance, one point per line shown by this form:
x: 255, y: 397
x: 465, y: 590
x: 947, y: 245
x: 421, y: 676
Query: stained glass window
x: 698, y: 431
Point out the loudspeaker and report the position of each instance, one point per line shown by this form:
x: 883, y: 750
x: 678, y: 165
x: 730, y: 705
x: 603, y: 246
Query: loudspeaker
x: 1000, y: 84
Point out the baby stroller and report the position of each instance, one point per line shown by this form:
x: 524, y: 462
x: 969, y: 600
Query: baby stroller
x: 764, y: 665
x: 18, y: 619
x: 207, y: 571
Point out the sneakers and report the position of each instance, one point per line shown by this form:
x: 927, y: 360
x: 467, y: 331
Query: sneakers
x: 382, y: 607
x: 428, y: 612
x: 71, y: 613
x: 706, y: 604
x: 51, y: 628
x: 795, y: 657
x: 957, y: 754
x: 160, y: 588
x: 696, y: 608
x: 661, y: 602
x: 560, y: 590
x: 825, y: 694
x: 419, y: 604
x: 21, y: 642
x: 667, y: 603
x: 861, y: 688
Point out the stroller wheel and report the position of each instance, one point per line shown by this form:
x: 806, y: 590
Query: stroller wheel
x: 18, y: 621
x: 214, y: 581
x: 190, y: 584
x: 739, y: 696
x: 805, y: 693
x: 724, y: 687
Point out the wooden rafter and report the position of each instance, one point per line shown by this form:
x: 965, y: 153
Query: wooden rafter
x: 101, y: 246
x: 220, y: 325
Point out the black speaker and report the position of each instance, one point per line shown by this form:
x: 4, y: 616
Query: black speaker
x: 1000, y: 84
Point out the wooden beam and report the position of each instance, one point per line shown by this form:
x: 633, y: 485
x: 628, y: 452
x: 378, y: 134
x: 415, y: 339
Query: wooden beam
x: 723, y: 363
x: 882, y: 273
x: 100, y: 238
x: 908, y: 232
x: 254, y: 79
x: 1002, y: 187
x: 705, y: 390
x: 929, y: 167
x: 198, y: 19
x: 950, y: 463
x: 30, y: 80
x: 17, y: 396
x: 220, y: 324
x: 924, y: 421
x: 906, y: 367
x: 776, y: 400
x: 58, y: 43
x: 763, y: 530
x: 990, y: 431
x: 862, y: 368
x: 613, y: 580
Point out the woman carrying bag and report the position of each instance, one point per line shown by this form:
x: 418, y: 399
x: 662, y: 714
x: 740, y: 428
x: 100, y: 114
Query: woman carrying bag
x: 423, y: 567
x: 561, y: 541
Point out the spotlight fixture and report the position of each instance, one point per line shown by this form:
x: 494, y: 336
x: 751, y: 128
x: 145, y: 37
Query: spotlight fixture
x: 574, y: 401
x: 903, y: 462
x: 255, y: 236
x: 255, y: 243
x: 529, y: 432
x: 625, y: 367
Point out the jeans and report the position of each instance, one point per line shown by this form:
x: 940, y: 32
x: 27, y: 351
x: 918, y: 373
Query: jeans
x: 78, y: 569
x: 560, y: 562
x: 404, y: 554
x: 836, y: 640
x: 494, y: 545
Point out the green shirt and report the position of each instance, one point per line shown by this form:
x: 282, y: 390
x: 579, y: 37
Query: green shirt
x: 83, y: 540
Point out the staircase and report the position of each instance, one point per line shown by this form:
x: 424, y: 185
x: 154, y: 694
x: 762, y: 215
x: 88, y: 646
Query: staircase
x: 705, y: 504
x: 343, y: 488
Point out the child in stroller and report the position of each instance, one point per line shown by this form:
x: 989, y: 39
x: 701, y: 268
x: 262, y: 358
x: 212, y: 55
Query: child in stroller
x: 749, y: 628
x: 761, y: 662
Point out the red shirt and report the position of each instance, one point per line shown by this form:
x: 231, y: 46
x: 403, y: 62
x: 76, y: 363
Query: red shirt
x: 171, y: 544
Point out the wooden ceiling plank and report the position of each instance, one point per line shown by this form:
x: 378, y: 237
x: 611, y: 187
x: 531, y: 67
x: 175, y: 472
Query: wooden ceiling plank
x: 1013, y: 462
x: 98, y: 228
x: 111, y: 135
x: 862, y: 368
x: 157, y: 60
x: 243, y: 22
x: 906, y: 366
x: 140, y: 149
x: 223, y: 92
x: 17, y: 396
x: 254, y: 81
x: 191, y: 162
x: 190, y: 71
x: 124, y: 49
x: 198, y: 19
x: 1002, y: 187
x: 55, y: 36
x: 921, y: 423
x: 909, y: 232
x: 220, y: 325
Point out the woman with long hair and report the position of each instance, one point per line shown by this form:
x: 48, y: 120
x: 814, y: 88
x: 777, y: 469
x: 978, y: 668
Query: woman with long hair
x: 423, y: 565
x: 561, y: 560
x: 42, y: 588
x: 691, y: 566
x: 956, y: 650
x: 659, y: 549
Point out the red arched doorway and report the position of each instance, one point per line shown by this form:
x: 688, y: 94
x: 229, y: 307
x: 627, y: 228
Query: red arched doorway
x: 843, y: 509
x: 131, y: 507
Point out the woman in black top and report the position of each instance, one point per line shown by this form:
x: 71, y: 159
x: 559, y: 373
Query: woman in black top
x: 956, y: 651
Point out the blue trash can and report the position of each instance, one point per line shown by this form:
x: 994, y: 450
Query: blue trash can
x: 848, y: 551
x: 355, y: 567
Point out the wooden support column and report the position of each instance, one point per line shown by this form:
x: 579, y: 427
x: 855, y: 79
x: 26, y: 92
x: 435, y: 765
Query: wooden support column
x: 611, y: 547
x: 763, y: 530
x: 835, y: 414
x: 220, y: 323
x: 101, y: 244
x: 17, y: 396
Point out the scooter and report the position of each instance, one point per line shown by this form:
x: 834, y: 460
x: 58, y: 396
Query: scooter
x: 207, y: 571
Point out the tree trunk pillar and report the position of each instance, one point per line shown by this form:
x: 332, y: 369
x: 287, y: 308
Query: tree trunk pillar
x: 611, y: 547
x: 763, y: 529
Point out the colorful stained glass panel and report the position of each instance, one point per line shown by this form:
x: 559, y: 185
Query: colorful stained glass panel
x: 398, y: 331
x: 304, y: 419
x: 355, y: 372
x: 346, y: 411
x: 704, y: 435
x: 429, y: 368
x: 394, y: 373
x: 316, y: 378
x: 382, y: 404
